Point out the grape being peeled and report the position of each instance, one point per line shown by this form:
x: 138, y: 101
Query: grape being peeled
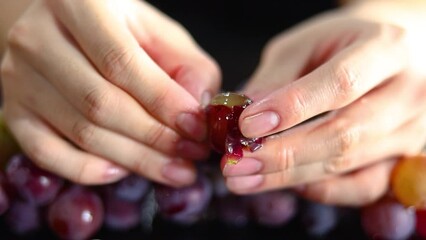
x: 225, y: 136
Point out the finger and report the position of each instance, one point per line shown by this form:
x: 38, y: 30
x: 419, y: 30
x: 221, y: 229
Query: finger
x: 345, y: 77
x: 104, y: 143
x: 175, y: 51
x: 352, y: 189
x: 331, y: 139
x: 398, y: 143
x: 50, y: 152
x: 118, y: 56
x: 100, y: 101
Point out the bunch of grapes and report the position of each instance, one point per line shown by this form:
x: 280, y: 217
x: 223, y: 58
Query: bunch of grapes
x: 36, y: 203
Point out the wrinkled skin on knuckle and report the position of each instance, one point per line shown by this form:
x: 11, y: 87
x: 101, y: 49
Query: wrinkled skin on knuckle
x: 83, y: 133
x: 347, y: 81
x: 99, y: 105
x: 115, y: 61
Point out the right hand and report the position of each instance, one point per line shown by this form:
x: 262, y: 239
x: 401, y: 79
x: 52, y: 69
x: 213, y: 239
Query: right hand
x: 93, y: 89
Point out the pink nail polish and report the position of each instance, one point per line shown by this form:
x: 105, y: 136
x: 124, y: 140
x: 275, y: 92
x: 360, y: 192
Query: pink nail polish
x: 245, y: 166
x: 178, y: 174
x: 114, y: 173
x: 260, y: 124
x: 244, y: 183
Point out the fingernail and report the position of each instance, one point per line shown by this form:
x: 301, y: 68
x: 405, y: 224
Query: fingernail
x: 191, y: 150
x: 178, y: 174
x: 114, y: 173
x: 245, y: 166
x: 192, y: 125
x: 260, y: 124
x: 205, y: 99
x: 244, y: 183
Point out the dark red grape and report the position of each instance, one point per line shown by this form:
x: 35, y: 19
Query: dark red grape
x: 132, y: 188
x: 32, y: 183
x: 23, y: 217
x: 4, y: 198
x: 318, y: 219
x: 233, y: 210
x: 76, y: 214
x: 388, y: 219
x: 421, y: 222
x: 121, y: 214
x: 225, y: 136
x: 274, y: 208
x: 184, y: 205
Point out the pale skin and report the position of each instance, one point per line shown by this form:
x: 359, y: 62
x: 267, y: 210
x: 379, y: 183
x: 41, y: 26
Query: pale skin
x: 95, y: 89
x: 364, y: 66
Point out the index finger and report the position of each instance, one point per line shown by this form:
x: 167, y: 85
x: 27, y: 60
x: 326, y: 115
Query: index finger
x: 109, y: 44
x: 348, y: 75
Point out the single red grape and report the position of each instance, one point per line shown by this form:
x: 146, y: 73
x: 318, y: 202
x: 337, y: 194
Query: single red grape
x: 32, y: 183
x: 76, y: 214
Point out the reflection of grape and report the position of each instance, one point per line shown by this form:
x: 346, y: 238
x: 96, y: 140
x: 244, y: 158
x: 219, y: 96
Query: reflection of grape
x: 23, y: 217
x: 388, y: 219
x: 274, y: 208
x: 318, y: 219
x: 421, y: 223
x: 409, y: 181
x: 77, y: 213
x: 32, y: 183
x: 184, y: 205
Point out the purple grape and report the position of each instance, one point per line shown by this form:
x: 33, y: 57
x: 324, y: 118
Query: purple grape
x: 233, y: 210
x: 388, y: 219
x: 132, y: 188
x: 76, y: 214
x: 32, y: 183
x: 23, y: 217
x: 274, y: 208
x: 318, y: 219
x: 184, y: 205
x: 4, y: 198
x: 121, y: 214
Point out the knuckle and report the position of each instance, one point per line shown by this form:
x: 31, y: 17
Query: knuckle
x: 338, y: 165
x: 83, y: 133
x: 347, y: 81
x: 298, y: 104
x: 99, y: 104
x: 285, y: 157
x: 390, y: 32
x: 154, y: 135
x: 347, y: 137
x: 17, y: 34
x: 157, y: 101
x: 115, y: 61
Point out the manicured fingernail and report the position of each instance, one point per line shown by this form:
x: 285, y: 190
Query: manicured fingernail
x: 192, y: 125
x: 245, y: 166
x: 192, y: 150
x: 178, y: 174
x: 205, y: 99
x: 244, y: 183
x: 114, y: 173
x: 260, y: 124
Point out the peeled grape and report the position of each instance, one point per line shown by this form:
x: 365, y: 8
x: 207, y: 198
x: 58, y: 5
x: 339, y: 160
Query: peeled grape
x: 32, y: 183
x: 409, y: 181
x: 225, y: 136
x: 274, y: 208
x: 421, y: 223
x: 389, y: 220
x: 184, y: 205
x: 76, y: 214
x: 318, y: 219
x: 23, y: 217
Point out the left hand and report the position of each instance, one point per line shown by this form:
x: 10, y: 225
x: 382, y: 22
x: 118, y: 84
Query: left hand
x: 364, y: 65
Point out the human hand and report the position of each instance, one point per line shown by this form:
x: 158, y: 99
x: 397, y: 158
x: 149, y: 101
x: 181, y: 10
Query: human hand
x: 93, y: 89
x: 364, y: 70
